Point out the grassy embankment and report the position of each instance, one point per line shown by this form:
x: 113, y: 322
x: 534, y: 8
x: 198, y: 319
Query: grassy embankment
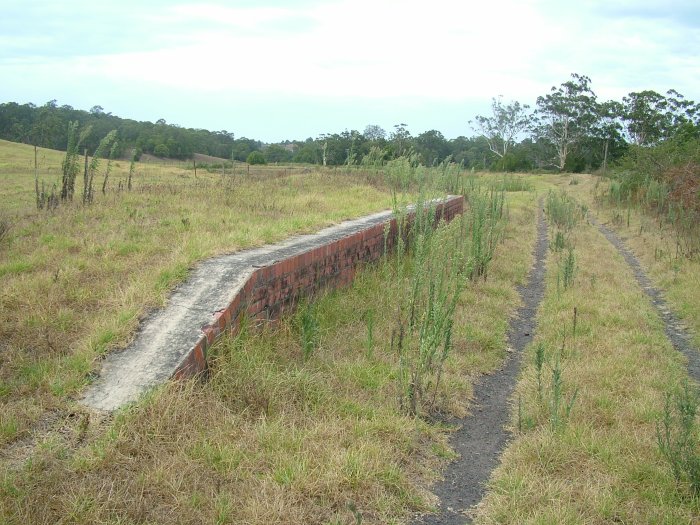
x: 590, y: 400
x: 283, y: 433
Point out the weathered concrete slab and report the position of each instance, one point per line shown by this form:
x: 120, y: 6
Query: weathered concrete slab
x: 166, y: 339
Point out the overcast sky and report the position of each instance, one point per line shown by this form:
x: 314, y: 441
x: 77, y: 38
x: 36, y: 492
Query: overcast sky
x: 274, y: 70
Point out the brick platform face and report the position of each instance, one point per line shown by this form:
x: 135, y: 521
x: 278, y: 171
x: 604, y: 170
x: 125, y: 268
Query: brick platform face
x: 275, y: 289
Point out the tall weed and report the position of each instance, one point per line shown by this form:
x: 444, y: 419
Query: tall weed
x: 563, y: 211
x: 678, y: 436
x: 70, y: 165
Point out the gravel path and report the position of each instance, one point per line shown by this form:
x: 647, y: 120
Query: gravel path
x: 675, y: 330
x: 482, y: 437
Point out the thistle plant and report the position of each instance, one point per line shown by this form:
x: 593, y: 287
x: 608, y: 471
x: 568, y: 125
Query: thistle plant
x: 559, y: 407
x: 568, y: 268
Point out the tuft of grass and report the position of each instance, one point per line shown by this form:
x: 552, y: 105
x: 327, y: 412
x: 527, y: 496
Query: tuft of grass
x: 559, y: 407
x: 567, y: 268
x: 369, y: 320
x: 513, y: 183
x: 309, y: 330
x: 539, y: 363
x: 562, y: 210
x: 5, y: 227
x: 559, y: 242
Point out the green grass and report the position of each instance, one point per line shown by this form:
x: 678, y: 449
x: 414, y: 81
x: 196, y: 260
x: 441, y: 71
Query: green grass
x: 300, y: 422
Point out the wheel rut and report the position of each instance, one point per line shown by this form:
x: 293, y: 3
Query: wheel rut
x: 482, y: 435
x: 675, y: 331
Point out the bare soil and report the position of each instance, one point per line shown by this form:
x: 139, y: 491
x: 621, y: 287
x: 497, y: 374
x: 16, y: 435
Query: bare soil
x: 482, y: 435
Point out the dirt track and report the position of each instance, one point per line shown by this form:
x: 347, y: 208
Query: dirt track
x: 675, y: 331
x: 482, y: 435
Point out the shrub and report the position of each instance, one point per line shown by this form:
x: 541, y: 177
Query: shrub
x: 256, y: 157
x: 161, y: 150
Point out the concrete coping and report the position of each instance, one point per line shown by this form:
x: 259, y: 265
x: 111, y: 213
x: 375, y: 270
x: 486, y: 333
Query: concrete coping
x: 172, y: 341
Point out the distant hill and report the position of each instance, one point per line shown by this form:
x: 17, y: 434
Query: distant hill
x: 47, y: 126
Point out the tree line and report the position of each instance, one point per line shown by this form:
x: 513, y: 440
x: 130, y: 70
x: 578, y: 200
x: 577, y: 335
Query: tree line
x: 49, y: 126
x: 569, y: 129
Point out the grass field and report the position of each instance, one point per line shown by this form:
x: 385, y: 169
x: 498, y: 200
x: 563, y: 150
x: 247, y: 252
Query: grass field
x: 274, y: 437
x: 303, y: 422
x: 655, y: 243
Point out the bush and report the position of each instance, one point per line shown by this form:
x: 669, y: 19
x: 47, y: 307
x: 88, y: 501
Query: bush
x: 161, y: 150
x: 256, y: 157
x: 575, y: 163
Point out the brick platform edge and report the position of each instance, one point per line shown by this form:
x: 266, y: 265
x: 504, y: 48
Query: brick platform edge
x: 274, y: 289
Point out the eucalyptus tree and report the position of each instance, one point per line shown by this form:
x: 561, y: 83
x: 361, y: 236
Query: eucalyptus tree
x: 566, y: 117
x: 401, y: 140
x: 608, y: 130
x: 505, y: 123
x: 651, y: 117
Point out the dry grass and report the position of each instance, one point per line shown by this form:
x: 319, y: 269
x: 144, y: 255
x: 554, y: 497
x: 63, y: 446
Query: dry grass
x: 602, y: 465
x: 272, y: 438
x: 75, y: 281
x: 655, y: 244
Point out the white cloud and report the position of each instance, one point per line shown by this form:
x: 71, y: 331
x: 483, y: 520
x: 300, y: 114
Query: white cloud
x: 366, y: 49
x: 390, y: 52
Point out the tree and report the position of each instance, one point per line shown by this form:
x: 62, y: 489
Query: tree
x: 400, y: 140
x: 432, y: 147
x: 504, y: 125
x: 256, y: 157
x: 355, y: 150
x: 608, y: 131
x: 471, y: 152
x: 645, y: 117
x: 341, y: 148
x: 309, y: 153
x: 277, y: 153
x: 49, y: 129
x: 374, y: 133
x: 566, y: 116
x: 651, y: 117
x: 161, y: 150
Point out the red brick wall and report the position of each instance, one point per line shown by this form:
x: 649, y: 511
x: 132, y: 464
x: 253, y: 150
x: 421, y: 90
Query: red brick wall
x: 274, y: 289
